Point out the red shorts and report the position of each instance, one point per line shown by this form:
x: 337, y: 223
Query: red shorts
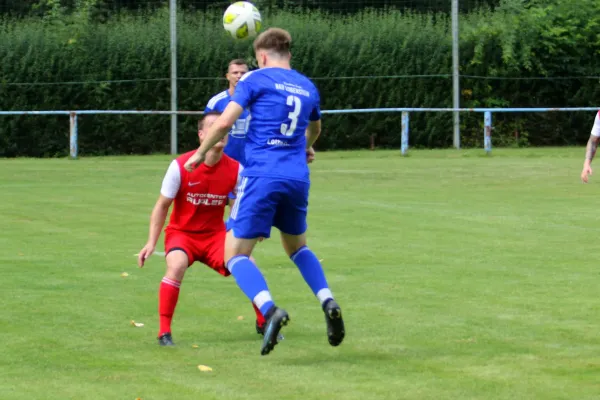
x: 207, y: 248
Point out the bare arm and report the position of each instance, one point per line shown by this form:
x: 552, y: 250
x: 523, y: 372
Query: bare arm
x: 219, y: 129
x: 158, y: 218
x: 590, y: 150
x: 157, y: 221
x: 312, y: 133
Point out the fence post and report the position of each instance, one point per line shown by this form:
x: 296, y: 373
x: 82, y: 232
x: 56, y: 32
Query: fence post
x: 487, y: 131
x: 405, y: 123
x: 73, y: 134
x: 173, y: 30
x: 455, y: 72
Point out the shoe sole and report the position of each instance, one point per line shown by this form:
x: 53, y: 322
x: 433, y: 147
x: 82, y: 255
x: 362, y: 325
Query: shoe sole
x: 335, y: 326
x: 271, y: 335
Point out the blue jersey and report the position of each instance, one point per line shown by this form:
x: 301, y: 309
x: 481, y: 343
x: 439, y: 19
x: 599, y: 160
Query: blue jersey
x: 281, y: 102
x: 237, y: 136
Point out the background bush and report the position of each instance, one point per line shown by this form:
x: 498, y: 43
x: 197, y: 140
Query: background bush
x: 380, y: 48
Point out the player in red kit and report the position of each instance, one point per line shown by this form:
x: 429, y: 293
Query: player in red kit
x: 196, y: 231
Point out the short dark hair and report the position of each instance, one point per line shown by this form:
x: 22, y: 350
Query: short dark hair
x: 237, y: 61
x: 276, y: 40
x: 201, y: 120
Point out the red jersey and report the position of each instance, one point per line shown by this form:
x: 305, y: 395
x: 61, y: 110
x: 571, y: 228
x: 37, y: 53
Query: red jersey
x: 596, y: 127
x: 201, y: 197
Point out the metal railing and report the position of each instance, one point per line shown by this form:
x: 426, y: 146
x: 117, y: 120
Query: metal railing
x: 405, y: 118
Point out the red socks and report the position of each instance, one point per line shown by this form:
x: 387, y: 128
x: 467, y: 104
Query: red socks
x: 167, y: 300
x: 260, y: 319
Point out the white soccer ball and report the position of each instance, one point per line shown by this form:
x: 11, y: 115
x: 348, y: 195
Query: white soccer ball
x: 242, y: 20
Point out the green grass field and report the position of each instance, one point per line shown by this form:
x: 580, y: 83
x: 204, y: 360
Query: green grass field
x: 461, y: 277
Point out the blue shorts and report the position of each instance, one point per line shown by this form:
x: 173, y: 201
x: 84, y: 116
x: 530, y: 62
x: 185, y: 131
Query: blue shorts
x: 266, y: 202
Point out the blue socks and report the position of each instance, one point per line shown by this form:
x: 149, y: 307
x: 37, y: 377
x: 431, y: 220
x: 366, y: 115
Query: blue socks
x: 312, y: 272
x: 249, y: 278
x: 251, y: 281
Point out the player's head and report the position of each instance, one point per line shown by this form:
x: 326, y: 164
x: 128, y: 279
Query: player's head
x: 203, y: 124
x: 235, y: 70
x: 272, y: 48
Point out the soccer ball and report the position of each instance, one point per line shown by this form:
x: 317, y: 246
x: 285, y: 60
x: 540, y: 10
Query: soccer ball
x: 242, y: 20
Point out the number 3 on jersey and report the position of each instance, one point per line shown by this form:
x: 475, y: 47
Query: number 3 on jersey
x: 292, y: 101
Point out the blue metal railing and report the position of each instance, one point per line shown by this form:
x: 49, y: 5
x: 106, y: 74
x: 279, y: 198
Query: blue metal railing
x: 487, y: 133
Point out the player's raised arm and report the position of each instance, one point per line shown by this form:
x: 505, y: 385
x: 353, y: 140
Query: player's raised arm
x: 217, y: 131
x: 590, y: 150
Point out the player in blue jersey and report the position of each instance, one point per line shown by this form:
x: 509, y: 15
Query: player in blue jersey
x: 286, y: 121
x: 237, y: 135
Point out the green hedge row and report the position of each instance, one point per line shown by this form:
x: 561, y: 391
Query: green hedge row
x: 378, y: 49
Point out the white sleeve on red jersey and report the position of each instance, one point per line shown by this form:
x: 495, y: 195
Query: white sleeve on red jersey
x: 239, y: 179
x: 596, y: 127
x: 171, y: 181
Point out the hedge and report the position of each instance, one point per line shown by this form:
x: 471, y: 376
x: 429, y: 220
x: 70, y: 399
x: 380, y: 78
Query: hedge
x: 123, y: 63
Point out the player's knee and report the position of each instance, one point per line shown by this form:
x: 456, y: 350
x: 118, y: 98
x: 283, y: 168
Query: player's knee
x: 177, y: 264
x: 235, y: 246
x: 292, y: 243
x: 230, y: 264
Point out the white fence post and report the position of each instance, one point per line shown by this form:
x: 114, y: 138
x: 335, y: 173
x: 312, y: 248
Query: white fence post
x: 487, y: 131
x: 73, y: 140
x: 405, y: 122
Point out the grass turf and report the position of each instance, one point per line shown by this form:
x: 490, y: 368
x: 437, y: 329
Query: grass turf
x: 461, y: 276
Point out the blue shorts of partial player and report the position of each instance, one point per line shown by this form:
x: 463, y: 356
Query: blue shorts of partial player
x: 264, y: 202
